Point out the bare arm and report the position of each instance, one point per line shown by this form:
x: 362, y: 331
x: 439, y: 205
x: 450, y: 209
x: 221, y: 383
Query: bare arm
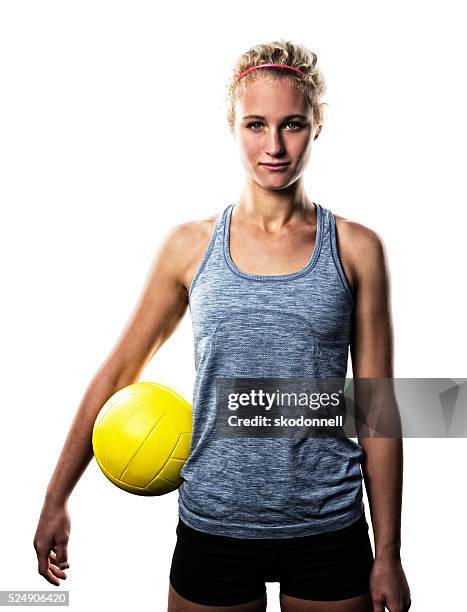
x: 157, y: 313
x: 382, y: 466
x: 372, y: 357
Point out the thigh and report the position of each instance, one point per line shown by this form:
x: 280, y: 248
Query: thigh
x: 209, y: 570
x: 330, y: 568
x: 177, y: 603
x: 362, y: 603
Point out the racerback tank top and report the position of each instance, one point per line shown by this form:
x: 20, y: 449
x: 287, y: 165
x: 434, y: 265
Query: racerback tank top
x: 268, y: 487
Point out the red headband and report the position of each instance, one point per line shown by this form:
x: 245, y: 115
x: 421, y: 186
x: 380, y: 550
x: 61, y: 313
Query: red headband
x: 269, y: 66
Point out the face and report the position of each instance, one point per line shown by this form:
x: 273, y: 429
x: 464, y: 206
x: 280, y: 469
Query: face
x: 274, y: 125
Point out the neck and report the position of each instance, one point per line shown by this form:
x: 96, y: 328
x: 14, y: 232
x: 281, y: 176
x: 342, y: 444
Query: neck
x: 264, y: 206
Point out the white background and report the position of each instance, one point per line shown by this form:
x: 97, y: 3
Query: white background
x: 113, y: 130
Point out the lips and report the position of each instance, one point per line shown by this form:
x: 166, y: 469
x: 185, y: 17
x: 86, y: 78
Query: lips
x: 276, y: 167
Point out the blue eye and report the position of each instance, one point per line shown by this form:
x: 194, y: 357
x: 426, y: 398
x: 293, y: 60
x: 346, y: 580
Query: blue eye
x: 298, y: 125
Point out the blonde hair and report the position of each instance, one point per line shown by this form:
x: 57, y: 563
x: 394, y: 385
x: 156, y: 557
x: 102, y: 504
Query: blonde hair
x: 281, y: 51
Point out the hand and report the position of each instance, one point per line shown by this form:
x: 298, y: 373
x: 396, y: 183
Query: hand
x: 51, y: 540
x: 388, y: 586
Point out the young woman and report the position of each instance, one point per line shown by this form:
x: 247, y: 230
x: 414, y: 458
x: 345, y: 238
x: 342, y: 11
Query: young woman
x: 278, y: 286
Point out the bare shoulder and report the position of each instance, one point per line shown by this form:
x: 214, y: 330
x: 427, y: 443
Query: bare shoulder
x: 361, y: 249
x: 188, y: 242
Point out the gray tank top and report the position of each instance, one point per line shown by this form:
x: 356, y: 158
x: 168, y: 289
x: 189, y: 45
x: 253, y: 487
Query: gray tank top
x: 268, y: 487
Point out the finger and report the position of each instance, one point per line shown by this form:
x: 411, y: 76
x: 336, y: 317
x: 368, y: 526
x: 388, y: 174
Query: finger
x: 62, y: 554
x: 42, y: 552
x: 57, y: 572
x: 396, y: 606
x: 44, y: 570
x: 53, y: 558
x: 55, y: 564
x: 378, y: 606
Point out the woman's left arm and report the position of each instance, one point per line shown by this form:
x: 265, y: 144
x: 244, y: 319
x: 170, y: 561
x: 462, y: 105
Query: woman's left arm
x: 372, y: 357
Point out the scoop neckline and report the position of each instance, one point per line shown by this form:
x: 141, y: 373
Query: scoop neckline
x: 262, y: 277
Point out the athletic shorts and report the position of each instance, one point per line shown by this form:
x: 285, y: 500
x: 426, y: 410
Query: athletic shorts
x: 219, y: 570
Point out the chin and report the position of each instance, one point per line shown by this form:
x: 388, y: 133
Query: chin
x: 277, y: 181
x: 274, y: 185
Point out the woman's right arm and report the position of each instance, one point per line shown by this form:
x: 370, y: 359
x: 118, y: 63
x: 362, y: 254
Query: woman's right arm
x: 158, y: 311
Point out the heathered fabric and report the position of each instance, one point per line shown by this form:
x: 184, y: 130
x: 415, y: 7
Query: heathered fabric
x: 269, y: 487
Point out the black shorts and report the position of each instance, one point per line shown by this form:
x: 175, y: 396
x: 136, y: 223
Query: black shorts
x: 221, y: 571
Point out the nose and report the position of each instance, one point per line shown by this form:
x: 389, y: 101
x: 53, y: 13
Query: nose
x: 275, y: 146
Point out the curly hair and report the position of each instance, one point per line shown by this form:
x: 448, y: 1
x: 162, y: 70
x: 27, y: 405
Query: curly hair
x: 281, y: 51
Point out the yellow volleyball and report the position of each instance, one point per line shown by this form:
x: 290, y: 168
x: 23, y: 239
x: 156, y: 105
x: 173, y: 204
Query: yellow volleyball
x: 141, y: 438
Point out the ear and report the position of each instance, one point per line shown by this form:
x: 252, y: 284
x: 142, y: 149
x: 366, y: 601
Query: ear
x: 318, y: 131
